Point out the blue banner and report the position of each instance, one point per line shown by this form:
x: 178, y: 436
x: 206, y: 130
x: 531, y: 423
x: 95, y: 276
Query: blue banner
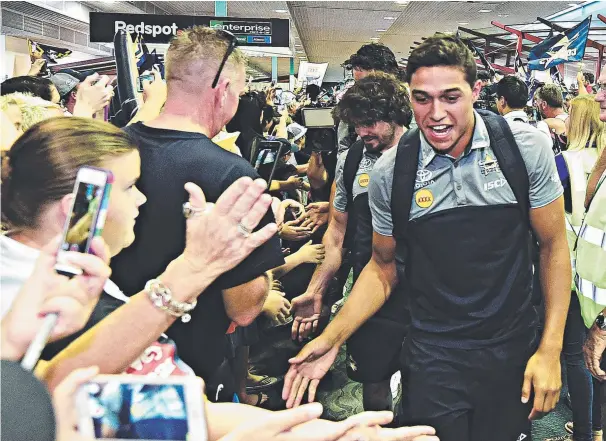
x: 561, y: 48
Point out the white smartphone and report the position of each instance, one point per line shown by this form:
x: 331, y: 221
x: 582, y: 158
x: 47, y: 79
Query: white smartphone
x: 118, y: 407
x: 86, y: 216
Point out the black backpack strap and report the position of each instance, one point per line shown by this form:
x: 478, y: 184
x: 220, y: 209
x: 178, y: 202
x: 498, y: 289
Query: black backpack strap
x: 509, y: 158
x: 404, y: 176
x: 350, y: 168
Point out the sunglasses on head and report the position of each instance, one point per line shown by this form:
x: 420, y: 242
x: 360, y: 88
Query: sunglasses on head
x: 232, y: 43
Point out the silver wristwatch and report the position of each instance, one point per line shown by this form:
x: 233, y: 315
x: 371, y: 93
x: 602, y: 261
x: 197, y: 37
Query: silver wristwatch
x: 162, y: 298
x: 600, y: 321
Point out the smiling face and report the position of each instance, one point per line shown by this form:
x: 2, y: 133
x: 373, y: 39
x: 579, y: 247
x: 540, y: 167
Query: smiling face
x: 442, y: 102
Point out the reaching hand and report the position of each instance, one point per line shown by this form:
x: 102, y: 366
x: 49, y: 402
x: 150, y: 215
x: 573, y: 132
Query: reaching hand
x: 376, y: 433
x: 64, y: 403
x: 543, y: 375
x: 37, y: 67
x: 307, y: 369
x: 217, y: 236
x: 45, y: 291
x: 94, y: 93
x: 315, y: 219
x: 295, y: 183
x: 593, y: 350
x: 311, y: 253
x: 155, y: 91
x: 306, y: 310
x: 289, y: 231
x: 302, y: 424
x: 288, y: 203
x: 276, y: 307
x: 321, y: 207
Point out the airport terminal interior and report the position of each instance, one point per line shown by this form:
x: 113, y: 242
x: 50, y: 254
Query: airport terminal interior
x: 215, y: 213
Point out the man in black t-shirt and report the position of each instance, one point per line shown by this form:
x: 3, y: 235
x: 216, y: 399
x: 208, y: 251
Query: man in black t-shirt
x: 176, y: 148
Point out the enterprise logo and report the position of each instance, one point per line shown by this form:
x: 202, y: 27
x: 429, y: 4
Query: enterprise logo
x: 144, y: 29
x: 242, y: 27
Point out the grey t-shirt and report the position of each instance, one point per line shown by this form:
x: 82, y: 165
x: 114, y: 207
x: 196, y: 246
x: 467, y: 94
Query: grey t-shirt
x: 361, y: 181
x: 474, y: 179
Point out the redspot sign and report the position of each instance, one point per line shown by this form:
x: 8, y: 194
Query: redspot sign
x: 272, y: 32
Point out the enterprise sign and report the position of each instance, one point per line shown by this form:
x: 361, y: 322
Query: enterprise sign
x: 270, y: 32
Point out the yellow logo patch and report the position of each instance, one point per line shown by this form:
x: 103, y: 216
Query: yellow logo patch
x: 363, y: 180
x: 424, y: 198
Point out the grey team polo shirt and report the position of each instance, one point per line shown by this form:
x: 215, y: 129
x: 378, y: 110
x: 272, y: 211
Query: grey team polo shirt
x: 361, y: 181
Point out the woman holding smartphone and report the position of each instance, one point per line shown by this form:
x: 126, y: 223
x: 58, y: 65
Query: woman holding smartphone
x: 36, y: 198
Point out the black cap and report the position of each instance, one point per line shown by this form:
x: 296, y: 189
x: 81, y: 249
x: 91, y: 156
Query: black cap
x: 26, y: 409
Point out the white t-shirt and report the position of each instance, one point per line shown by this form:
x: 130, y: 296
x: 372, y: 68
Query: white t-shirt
x: 17, y: 264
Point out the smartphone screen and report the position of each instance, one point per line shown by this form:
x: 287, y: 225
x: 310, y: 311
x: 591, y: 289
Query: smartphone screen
x: 87, y: 203
x: 87, y: 215
x: 138, y: 411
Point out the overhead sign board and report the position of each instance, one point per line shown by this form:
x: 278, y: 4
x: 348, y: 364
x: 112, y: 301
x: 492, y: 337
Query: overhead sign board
x: 272, y: 32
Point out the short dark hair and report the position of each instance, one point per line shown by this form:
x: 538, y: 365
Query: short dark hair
x: 589, y: 77
x: 378, y: 97
x: 514, y: 90
x: 373, y: 56
x: 483, y: 75
x: 552, y: 95
x: 313, y: 90
x: 40, y: 87
x: 443, y: 50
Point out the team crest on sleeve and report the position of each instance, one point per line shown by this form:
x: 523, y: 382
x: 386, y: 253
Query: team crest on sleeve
x: 488, y: 165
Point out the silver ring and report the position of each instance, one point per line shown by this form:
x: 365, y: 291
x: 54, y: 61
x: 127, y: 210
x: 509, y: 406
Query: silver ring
x: 189, y: 211
x: 243, y: 230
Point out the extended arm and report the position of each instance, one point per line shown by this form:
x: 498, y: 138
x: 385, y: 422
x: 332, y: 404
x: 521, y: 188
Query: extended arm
x: 542, y: 373
x: 244, y: 303
x: 370, y: 292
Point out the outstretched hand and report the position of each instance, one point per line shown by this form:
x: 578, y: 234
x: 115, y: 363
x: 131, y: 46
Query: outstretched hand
x: 306, y: 310
x: 219, y: 236
x: 307, y: 369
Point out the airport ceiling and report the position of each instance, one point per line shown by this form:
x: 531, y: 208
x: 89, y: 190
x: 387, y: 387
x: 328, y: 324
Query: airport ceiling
x: 329, y: 31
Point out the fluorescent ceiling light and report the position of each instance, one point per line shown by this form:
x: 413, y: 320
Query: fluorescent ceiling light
x: 463, y: 23
x: 381, y: 30
x: 572, y: 4
x: 281, y: 11
x: 389, y: 18
x: 297, y: 45
x: 485, y: 10
x: 503, y: 15
x: 402, y: 2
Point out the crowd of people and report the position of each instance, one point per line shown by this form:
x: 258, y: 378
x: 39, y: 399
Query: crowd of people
x: 455, y: 225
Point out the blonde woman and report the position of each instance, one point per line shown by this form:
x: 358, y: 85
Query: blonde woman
x: 586, y: 140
